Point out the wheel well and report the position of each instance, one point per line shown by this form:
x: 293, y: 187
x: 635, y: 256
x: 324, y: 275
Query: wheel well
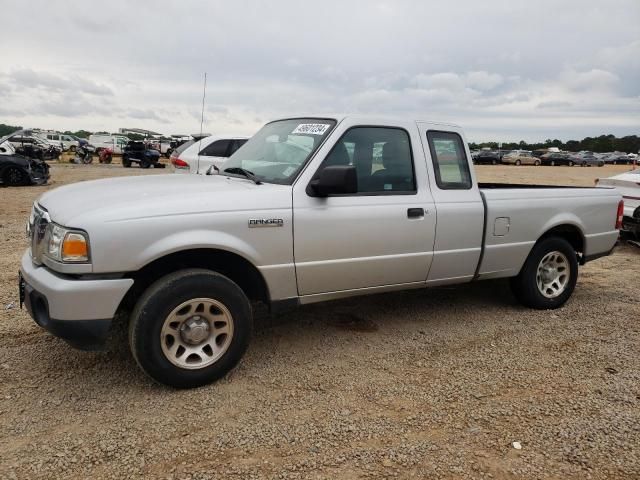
x: 570, y: 233
x: 231, y: 265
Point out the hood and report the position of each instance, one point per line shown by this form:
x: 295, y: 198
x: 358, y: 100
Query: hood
x: 630, y: 176
x: 129, y: 198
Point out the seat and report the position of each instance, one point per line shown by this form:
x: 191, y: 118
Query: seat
x: 397, y: 173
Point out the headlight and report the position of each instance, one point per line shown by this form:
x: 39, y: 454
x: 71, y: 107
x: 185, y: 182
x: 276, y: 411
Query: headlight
x: 64, y: 245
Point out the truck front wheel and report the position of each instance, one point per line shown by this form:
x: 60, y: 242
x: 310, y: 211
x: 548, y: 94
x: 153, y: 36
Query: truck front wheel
x: 190, y: 328
x: 548, y: 276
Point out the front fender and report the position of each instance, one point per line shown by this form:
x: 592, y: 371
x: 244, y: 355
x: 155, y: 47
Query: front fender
x: 195, y: 239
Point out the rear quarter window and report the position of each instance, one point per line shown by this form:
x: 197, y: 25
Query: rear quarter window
x: 449, y: 160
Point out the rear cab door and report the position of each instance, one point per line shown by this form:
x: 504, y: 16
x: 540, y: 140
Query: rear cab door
x: 459, y: 206
x: 378, y: 237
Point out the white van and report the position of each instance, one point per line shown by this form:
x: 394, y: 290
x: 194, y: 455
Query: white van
x: 106, y: 140
x: 66, y: 142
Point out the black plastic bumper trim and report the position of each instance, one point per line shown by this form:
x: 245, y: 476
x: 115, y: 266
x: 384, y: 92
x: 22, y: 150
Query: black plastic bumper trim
x: 80, y: 334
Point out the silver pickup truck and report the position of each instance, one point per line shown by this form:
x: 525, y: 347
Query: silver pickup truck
x: 309, y: 209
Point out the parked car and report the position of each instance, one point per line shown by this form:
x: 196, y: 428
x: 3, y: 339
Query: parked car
x: 65, y: 142
x: 195, y: 250
x: 487, y: 157
x: 116, y: 143
x: 616, y: 158
x: 138, y: 152
x: 557, y: 158
x: 587, y: 159
x: 6, y: 148
x: 543, y: 151
x: 628, y: 184
x: 521, y: 158
x: 200, y: 155
x: 31, y: 146
x: 16, y: 169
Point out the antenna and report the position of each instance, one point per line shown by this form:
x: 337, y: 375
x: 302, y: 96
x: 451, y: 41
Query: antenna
x: 204, y: 94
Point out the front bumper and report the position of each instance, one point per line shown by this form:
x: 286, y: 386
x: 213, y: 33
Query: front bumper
x: 78, y: 311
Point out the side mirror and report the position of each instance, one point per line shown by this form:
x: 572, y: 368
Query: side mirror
x: 334, y: 179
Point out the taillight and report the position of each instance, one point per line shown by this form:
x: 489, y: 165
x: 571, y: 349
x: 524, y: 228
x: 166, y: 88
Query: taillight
x: 619, y: 215
x: 176, y: 162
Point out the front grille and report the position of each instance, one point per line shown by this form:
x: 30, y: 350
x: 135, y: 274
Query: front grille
x: 38, y: 222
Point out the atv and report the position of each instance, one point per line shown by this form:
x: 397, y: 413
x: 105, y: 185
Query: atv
x: 137, y: 152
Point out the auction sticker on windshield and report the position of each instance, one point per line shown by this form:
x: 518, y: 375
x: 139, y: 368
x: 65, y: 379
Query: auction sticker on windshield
x: 311, y: 128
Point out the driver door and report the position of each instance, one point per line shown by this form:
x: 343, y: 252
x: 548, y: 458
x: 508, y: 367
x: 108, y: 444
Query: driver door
x: 382, y: 235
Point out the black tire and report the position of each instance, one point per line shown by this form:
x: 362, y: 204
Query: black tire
x: 126, y: 163
x: 14, y: 177
x: 571, y: 163
x: 525, y: 285
x: 87, y: 159
x: 536, y: 163
x: 163, y: 297
x: 145, y: 163
x: 518, y: 162
x: 72, y: 148
x: 553, y: 163
x: 108, y: 159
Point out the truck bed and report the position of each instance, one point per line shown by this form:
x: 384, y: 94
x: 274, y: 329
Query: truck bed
x: 517, y: 215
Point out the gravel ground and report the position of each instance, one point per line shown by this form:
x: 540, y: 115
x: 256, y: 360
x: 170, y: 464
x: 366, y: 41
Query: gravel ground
x: 421, y: 384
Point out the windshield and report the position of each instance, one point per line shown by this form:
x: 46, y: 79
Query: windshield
x: 280, y: 149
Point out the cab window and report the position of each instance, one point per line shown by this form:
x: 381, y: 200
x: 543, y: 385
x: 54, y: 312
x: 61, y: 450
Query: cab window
x: 382, y: 157
x: 449, y: 160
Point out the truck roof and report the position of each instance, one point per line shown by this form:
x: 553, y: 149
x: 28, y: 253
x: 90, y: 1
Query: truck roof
x: 364, y: 118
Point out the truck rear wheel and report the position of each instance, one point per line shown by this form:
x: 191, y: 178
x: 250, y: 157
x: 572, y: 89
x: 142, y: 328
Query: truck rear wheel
x: 548, y: 276
x: 190, y: 328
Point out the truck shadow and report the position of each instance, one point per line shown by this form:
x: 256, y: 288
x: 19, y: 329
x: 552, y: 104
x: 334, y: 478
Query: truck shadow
x: 354, y: 313
x: 289, y: 334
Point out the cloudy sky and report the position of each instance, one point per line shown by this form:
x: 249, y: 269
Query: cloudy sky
x: 504, y: 70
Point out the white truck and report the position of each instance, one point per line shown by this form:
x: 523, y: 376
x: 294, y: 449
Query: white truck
x: 309, y: 209
x: 106, y: 140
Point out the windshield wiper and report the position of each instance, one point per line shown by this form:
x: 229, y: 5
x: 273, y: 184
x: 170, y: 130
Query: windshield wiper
x: 246, y: 173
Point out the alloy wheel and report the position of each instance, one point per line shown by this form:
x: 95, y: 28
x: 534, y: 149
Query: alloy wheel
x: 196, y: 333
x: 553, y: 274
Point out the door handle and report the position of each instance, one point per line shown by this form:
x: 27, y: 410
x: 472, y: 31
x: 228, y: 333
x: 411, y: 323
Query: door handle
x: 415, y: 212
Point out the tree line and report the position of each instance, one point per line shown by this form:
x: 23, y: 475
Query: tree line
x: 601, y: 144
